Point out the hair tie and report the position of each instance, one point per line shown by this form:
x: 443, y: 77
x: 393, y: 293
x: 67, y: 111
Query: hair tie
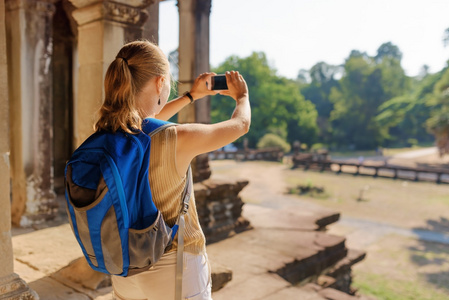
x: 126, y: 61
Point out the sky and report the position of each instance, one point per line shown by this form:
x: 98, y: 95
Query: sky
x: 296, y: 34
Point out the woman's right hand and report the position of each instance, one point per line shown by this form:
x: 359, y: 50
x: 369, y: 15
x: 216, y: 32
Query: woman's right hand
x: 194, y: 139
x: 237, y: 88
x: 199, y: 88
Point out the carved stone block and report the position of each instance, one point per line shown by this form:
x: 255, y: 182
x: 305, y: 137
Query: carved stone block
x: 13, y: 287
x: 220, y: 208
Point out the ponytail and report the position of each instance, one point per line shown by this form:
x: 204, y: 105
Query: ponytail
x: 136, y: 63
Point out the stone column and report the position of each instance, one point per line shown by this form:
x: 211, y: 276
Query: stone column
x: 11, y: 286
x: 103, y: 28
x: 151, y: 27
x: 29, y: 49
x: 218, y: 204
x: 194, y: 60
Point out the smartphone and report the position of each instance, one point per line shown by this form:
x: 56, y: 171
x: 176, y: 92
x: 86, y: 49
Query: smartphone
x: 218, y: 82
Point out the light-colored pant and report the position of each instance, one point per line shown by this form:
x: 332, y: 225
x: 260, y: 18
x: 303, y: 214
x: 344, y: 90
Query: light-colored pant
x: 158, y: 283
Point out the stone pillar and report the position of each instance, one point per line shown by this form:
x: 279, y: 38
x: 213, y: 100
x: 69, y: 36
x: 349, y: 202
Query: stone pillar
x: 103, y: 28
x: 218, y: 204
x: 194, y: 60
x: 29, y: 49
x: 11, y: 286
x: 151, y: 27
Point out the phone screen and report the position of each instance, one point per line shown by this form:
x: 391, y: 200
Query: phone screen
x: 219, y: 82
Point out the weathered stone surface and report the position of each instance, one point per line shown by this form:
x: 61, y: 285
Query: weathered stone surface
x: 29, y: 31
x: 341, y: 271
x: 219, y: 208
x: 5, y: 204
x: 50, y: 289
x: 253, y: 287
x: 294, y: 293
x: 305, y: 254
x: 13, y: 287
x: 288, y: 243
x: 221, y: 275
x: 291, y: 217
x: 325, y: 281
x: 254, y: 256
x: 47, y: 250
x: 333, y: 294
x: 264, y: 217
x: 79, y: 271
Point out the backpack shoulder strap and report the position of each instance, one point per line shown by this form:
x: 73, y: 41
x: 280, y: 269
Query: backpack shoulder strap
x: 151, y: 126
x: 181, y: 225
x: 160, y: 128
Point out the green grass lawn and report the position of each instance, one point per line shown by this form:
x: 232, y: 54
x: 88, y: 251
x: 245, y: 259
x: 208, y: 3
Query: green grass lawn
x: 384, y: 288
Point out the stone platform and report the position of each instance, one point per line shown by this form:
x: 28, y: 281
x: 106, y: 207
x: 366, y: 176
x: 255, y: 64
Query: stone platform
x: 287, y: 255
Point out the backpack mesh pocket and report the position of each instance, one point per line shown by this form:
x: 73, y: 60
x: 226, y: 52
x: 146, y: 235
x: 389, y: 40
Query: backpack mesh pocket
x: 146, y: 246
x: 87, y: 205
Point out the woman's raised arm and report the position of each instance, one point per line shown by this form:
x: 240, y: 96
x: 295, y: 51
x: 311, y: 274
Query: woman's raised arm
x: 198, y: 91
x: 194, y: 139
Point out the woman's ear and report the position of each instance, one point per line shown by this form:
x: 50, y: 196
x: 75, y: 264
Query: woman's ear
x: 159, y: 84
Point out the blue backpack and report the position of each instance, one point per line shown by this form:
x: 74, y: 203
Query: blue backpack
x: 109, y: 202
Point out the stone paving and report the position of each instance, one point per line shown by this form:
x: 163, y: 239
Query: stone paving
x: 253, y: 259
x: 287, y: 245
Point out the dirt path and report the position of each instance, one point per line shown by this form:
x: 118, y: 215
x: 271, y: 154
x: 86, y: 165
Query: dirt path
x: 417, y: 153
x: 266, y: 179
x: 384, y: 210
x: 403, y: 225
x: 267, y: 183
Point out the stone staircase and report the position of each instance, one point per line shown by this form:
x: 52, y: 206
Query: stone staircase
x: 278, y: 254
x: 220, y: 208
x: 291, y: 251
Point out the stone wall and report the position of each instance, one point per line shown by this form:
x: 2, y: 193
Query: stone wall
x: 11, y: 285
x: 220, y: 208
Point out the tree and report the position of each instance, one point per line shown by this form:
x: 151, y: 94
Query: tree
x: 446, y: 37
x: 367, y: 83
x: 303, y: 76
x: 355, y: 104
x: 276, y: 103
x: 323, y: 79
x: 358, y: 54
x: 388, y: 50
x: 438, y: 123
x: 323, y: 72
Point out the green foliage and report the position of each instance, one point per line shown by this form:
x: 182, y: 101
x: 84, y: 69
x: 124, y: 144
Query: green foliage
x: 276, y: 102
x: 438, y: 122
x: 405, y: 116
x: 388, y: 51
x: 271, y: 140
x: 318, y: 146
x: 392, y: 289
x: 446, y: 37
x: 318, y: 91
x: 368, y: 82
x: 365, y: 103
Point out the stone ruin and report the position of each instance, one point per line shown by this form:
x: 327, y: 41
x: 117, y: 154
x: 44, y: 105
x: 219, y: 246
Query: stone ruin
x: 313, y: 256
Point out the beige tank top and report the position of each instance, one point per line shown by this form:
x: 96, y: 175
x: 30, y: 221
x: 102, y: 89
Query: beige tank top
x: 167, y: 187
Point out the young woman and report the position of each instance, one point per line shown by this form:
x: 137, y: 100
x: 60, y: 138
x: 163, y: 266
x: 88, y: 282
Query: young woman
x: 137, y: 86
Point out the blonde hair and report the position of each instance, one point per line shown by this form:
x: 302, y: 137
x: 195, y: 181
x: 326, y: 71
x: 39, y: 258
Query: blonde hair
x: 135, y: 64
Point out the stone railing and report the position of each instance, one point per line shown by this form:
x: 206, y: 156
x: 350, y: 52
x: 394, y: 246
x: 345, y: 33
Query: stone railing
x: 269, y: 154
x: 439, y: 175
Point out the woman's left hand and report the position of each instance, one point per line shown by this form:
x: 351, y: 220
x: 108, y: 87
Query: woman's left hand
x: 200, y: 86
